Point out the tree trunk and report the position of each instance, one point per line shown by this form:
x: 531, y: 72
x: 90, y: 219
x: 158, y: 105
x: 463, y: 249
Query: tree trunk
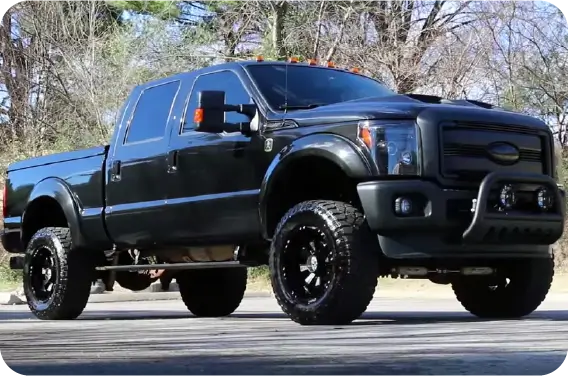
x: 278, y: 16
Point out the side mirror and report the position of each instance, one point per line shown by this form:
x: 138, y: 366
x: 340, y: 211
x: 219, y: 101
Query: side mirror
x: 210, y: 113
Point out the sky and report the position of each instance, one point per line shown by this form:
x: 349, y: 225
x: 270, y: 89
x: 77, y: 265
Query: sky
x: 561, y: 4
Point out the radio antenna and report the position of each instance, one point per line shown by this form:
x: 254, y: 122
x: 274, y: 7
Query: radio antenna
x: 286, y: 89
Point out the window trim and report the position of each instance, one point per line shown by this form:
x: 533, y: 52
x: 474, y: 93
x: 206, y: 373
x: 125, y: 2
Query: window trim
x: 133, y: 112
x: 181, y: 133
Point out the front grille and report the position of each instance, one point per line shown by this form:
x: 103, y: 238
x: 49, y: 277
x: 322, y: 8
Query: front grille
x: 478, y: 151
x: 464, y: 156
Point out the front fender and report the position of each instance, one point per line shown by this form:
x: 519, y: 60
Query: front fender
x: 337, y: 149
x: 59, y: 191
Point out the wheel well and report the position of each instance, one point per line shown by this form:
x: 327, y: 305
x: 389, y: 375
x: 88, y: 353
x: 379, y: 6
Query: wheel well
x: 42, y: 212
x: 308, y: 178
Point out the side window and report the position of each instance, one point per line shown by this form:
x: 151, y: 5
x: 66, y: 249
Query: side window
x: 152, y: 112
x: 226, y: 81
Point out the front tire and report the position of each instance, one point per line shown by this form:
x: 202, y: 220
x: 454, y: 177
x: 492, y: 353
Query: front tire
x: 57, y: 277
x: 324, y: 263
x: 515, y: 292
x: 212, y: 292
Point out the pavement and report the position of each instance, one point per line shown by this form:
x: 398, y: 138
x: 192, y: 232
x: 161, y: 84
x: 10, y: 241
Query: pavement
x: 398, y: 335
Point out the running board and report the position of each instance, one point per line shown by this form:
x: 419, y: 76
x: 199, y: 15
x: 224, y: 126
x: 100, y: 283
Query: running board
x: 180, y: 266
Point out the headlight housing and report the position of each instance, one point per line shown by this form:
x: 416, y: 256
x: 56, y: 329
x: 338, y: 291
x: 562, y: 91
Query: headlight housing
x: 393, y: 145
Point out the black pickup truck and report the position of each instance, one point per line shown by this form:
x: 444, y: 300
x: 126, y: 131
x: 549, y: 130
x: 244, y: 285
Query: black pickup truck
x: 323, y: 174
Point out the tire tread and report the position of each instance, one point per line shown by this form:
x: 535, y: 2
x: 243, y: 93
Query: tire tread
x: 75, y: 277
x: 357, y: 250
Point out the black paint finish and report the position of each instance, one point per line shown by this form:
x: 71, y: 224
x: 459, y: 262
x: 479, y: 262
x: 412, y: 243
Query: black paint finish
x: 186, y: 188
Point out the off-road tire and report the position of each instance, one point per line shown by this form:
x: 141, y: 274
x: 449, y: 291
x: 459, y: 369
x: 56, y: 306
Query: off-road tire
x: 530, y: 281
x: 212, y: 292
x: 74, y: 270
x: 355, y: 275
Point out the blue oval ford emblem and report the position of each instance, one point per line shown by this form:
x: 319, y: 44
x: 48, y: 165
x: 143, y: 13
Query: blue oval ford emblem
x: 503, y: 152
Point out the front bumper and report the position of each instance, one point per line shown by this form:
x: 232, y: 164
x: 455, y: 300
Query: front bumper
x: 446, y: 222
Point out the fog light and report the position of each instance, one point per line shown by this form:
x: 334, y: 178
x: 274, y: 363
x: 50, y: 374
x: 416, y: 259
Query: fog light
x: 544, y: 199
x: 403, y: 205
x: 507, y: 197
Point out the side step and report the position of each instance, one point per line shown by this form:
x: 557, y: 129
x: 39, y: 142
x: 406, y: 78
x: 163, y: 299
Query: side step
x: 180, y: 266
x: 17, y: 263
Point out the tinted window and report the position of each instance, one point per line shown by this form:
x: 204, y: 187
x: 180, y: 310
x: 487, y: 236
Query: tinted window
x: 152, y: 112
x: 225, y: 81
x: 312, y: 85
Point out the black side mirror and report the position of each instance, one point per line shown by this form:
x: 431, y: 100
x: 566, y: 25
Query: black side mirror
x: 210, y: 113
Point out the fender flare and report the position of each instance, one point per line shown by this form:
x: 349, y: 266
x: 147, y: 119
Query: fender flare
x: 58, y: 190
x: 337, y: 149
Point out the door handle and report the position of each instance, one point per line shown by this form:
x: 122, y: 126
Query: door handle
x: 115, y: 171
x: 173, y: 161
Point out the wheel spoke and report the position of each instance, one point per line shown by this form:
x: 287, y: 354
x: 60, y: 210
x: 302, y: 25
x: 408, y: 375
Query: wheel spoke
x: 306, y: 263
x: 42, y: 274
x: 313, y: 250
x: 310, y: 279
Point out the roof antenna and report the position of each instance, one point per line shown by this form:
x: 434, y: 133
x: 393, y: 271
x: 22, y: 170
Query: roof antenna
x: 286, y: 90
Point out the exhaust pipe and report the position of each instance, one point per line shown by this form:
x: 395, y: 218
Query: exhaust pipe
x: 17, y: 262
x: 420, y: 271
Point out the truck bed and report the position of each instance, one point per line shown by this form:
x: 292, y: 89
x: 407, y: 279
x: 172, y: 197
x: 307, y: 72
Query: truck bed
x: 58, y: 158
x: 80, y: 172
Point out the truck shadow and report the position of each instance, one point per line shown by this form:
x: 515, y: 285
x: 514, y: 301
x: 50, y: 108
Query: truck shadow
x: 269, y: 343
x: 369, y: 318
x: 481, y: 361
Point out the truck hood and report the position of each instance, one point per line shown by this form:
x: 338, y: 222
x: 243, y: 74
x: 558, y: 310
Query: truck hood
x: 397, y: 107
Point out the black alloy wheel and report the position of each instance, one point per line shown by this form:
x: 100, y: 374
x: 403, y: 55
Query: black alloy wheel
x: 43, y: 274
x: 308, y: 264
x: 323, y: 263
x: 57, y: 277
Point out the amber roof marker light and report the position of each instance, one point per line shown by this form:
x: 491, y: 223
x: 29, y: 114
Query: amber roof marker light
x: 259, y: 59
x: 312, y: 61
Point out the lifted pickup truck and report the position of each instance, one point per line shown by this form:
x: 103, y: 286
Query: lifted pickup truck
x: 323, y: 174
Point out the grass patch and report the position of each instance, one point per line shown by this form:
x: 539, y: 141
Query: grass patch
x: 9, y: 279
x: 259, y: 279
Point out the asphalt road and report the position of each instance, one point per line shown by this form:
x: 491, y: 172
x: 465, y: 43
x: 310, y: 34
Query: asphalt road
x: 395, y: 336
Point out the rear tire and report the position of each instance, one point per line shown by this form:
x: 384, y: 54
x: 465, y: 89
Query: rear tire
x: 329, y: 242
x: 57, y: 277
x: 528, y: 284
x: 212, y: 292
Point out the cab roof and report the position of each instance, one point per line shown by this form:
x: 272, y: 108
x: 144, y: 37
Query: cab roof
x: 227, y: 66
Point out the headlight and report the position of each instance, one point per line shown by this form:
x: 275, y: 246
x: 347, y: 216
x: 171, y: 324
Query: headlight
x: 393, y: 146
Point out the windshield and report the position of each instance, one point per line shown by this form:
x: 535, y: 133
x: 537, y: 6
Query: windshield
x: 312, y: 86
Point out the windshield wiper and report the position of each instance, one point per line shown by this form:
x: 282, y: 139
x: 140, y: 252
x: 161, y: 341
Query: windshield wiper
x: 300, y: 106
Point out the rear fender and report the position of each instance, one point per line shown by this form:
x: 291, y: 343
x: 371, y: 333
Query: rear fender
x: 59, y: 191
